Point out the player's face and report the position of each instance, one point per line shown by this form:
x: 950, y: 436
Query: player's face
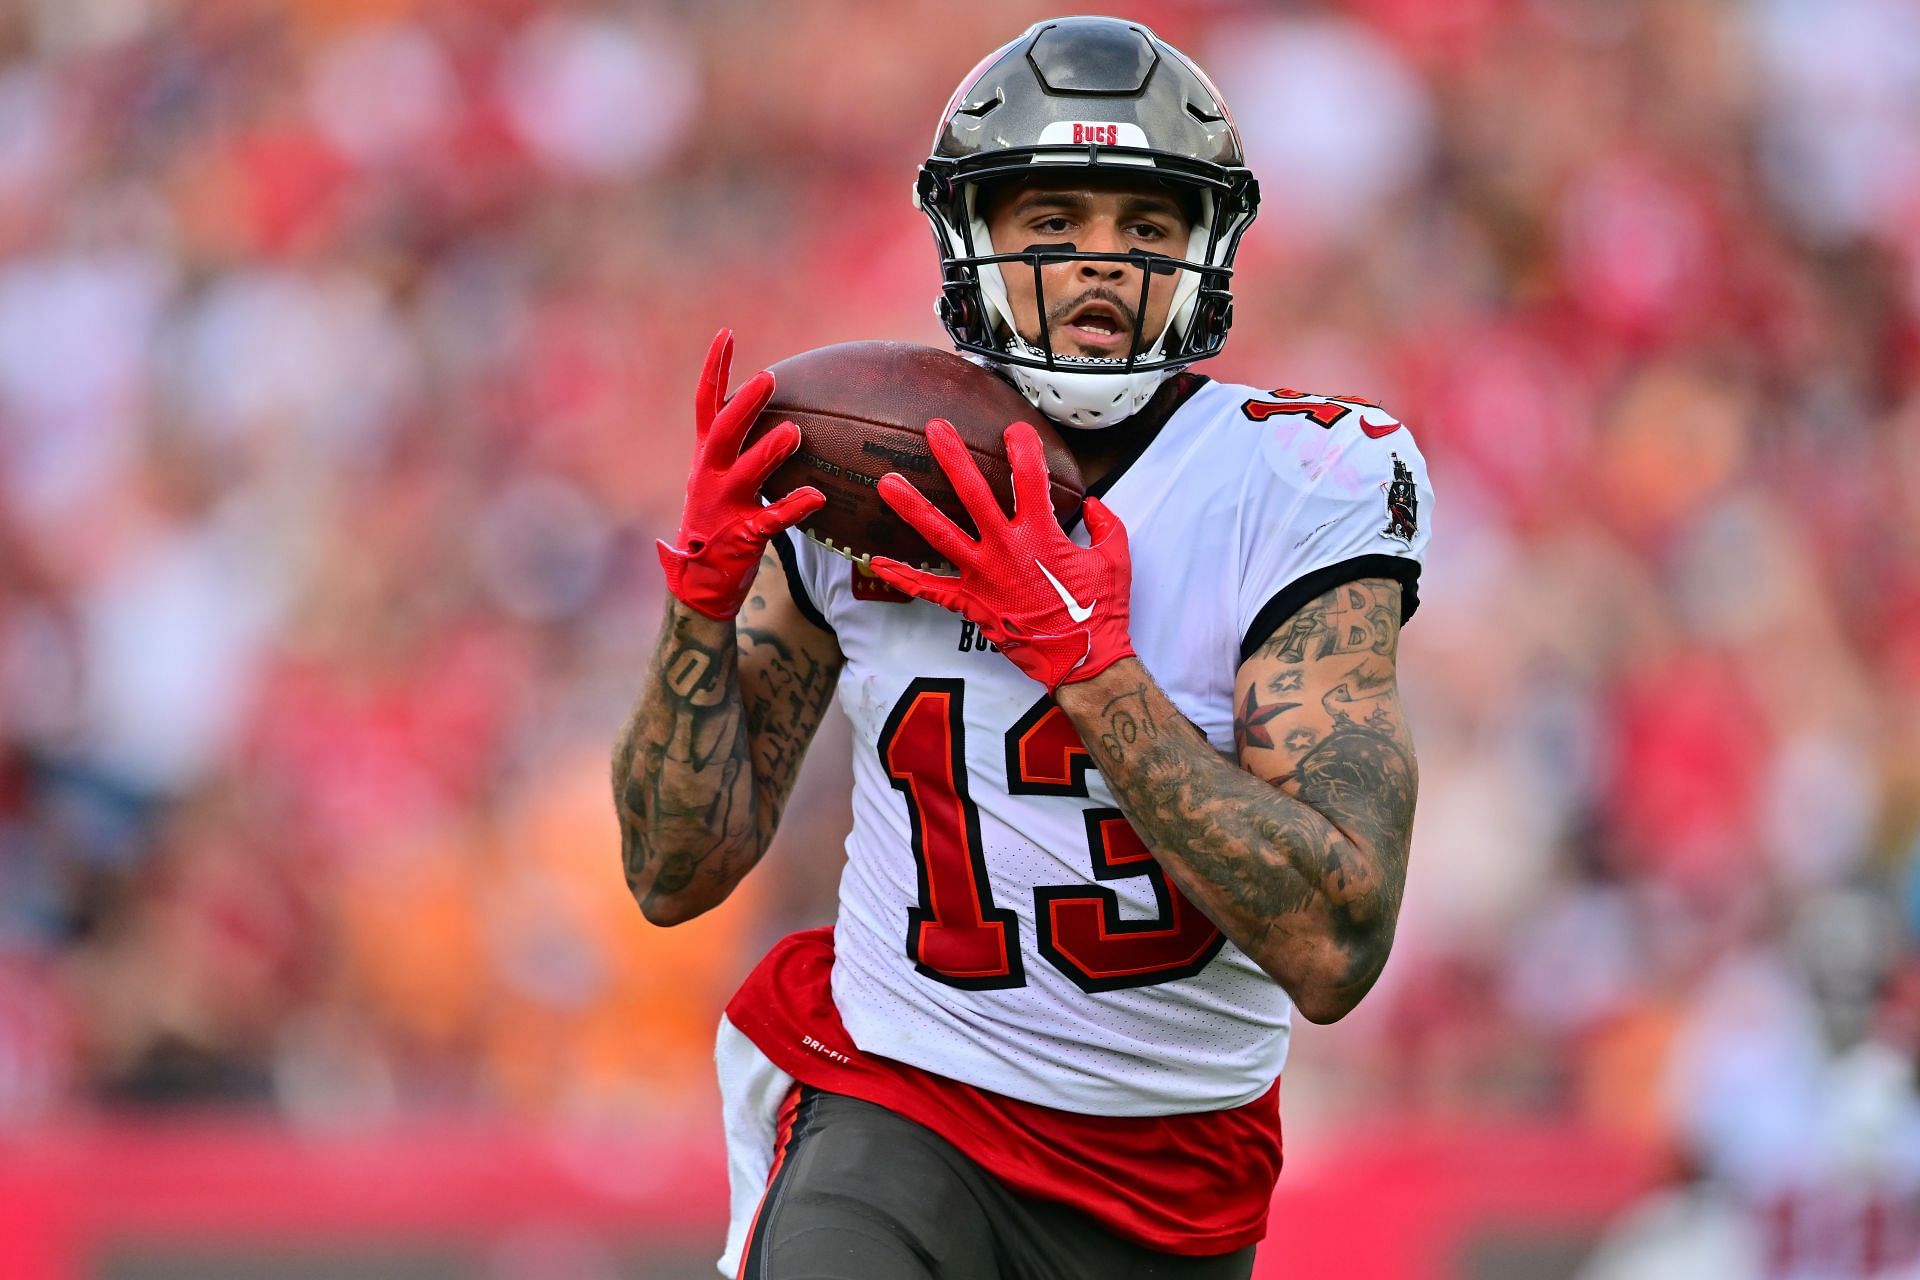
x: 1091, y: 306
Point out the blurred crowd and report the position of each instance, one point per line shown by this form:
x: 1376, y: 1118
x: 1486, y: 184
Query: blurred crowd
x: 346, y: 349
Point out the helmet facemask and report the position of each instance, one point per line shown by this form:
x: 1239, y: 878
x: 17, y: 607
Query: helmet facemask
x: 1086, y: 390
x: 1103, y: 96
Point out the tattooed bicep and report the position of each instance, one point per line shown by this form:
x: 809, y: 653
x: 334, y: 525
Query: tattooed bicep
x: 1327, y: 671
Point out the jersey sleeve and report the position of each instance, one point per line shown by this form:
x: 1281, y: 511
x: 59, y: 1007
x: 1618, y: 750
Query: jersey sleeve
x: 802, y: 558
x: 1325, y: 506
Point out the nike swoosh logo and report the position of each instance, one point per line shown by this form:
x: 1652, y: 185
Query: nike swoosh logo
x: 1075, y: 610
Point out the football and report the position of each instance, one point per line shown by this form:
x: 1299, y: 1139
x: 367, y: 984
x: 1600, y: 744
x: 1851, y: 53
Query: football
x: 862, y: 409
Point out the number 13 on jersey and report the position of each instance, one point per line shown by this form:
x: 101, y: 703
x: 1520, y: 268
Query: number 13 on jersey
x: 957, y: 935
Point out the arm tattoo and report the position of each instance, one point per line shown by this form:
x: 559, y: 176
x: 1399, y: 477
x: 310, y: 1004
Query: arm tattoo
x: 682, y: 770
x: 1127, y: 725
x: 1250, y: 722
x: 1352, y: 618
x: 706, y: 762
x: 782, y: 711
x: 1304, y: 872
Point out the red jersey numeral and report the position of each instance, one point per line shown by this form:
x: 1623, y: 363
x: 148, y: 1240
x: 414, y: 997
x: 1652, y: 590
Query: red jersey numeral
x: 956, y: 935
x: 1081, y: 930
x: 1325, y: 410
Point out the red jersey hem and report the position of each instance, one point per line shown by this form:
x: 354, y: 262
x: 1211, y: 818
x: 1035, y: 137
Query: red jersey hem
x: 1149, y: 1179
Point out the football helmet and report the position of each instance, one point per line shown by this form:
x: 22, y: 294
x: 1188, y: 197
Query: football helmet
x: 1103, y: 94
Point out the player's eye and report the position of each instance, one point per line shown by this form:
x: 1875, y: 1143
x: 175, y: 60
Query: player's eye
x: 1056, y: 225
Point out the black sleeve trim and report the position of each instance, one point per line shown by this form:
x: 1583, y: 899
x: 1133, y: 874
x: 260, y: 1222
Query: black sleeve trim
x: 1291, y: 598
x: 796, y: 586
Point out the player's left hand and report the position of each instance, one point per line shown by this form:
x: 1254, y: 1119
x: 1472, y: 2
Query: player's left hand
x: 1057, y: 610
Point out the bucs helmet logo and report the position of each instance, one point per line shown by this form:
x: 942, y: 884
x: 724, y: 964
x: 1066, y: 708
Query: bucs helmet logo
x: 1403, y: 506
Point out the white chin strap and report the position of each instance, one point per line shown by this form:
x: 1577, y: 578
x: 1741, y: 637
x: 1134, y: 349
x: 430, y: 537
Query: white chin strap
x: 1100, y: 396
x: 1075, y: 399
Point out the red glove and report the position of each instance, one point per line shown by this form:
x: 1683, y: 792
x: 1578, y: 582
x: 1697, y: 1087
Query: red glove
x: 1058, y: 610
x: 724, y: 528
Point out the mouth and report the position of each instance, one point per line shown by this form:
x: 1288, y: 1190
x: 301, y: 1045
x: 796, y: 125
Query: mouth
x: 1099, y: 328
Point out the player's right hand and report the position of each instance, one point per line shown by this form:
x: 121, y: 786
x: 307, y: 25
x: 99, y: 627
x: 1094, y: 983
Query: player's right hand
x: 724, y: 528
x: 1035, y: 615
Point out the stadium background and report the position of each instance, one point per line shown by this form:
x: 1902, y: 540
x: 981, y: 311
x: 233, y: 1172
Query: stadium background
x: 346, y: 349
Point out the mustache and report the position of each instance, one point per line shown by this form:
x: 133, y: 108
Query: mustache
x: 1123, y: 307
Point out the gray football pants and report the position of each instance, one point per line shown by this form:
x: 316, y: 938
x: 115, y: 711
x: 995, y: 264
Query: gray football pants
x: 864, y: 1194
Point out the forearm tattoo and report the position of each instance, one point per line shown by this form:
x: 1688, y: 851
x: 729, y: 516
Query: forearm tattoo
x: 1304, y: 866
x: 704, y: 766
x: 783, y: 710
x: 683, y: 775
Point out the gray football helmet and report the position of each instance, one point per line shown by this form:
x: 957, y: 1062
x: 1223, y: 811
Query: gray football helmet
x: 1105, y: 94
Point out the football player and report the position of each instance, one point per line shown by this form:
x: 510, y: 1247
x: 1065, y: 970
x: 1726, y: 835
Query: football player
x: 1124, y: 798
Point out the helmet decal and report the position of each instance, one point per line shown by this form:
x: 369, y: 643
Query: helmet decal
x: 1107, y: 133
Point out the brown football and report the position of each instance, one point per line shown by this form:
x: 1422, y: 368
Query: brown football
x: 862, y: 409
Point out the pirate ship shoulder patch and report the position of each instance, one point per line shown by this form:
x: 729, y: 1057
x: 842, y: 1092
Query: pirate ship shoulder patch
x: 1403, y: 505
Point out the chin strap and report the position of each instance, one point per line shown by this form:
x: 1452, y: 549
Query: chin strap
x: 1087, y: 401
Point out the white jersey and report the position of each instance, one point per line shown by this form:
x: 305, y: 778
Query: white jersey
x: 1000, y: 924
